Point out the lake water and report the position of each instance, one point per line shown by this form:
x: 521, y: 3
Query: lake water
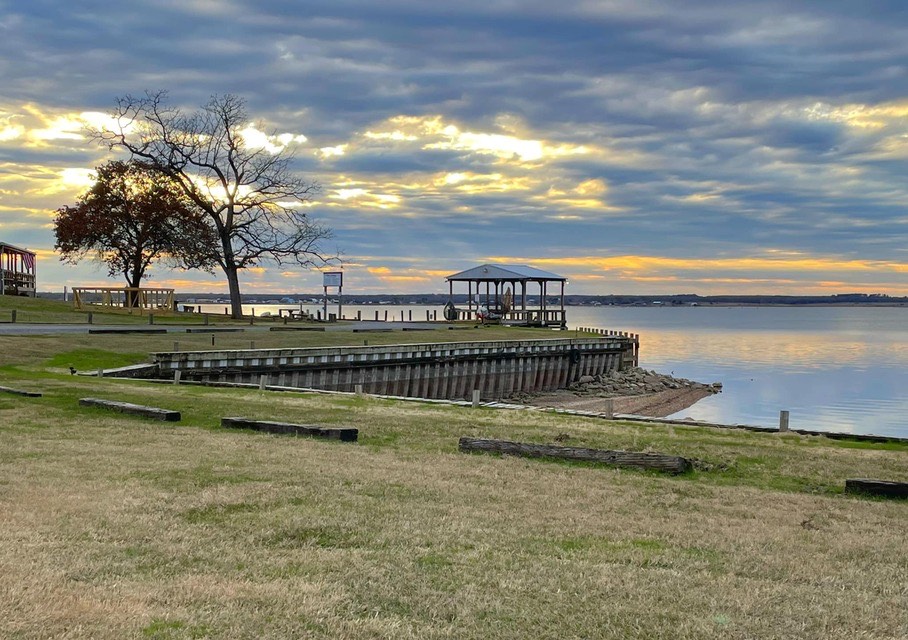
x: 833, y: 368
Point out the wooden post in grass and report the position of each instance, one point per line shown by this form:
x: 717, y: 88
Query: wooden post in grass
x: 638, y: 460
x: 263, y: 382
x: 344, y: 434
x: 134, y: 409
x: 475, y: 398
x: 176, y: 376
x: 358, y: 389
x: 879, y: 488
x: 19, y: 392
x: 100, y: 373
x: 783, y: 421
x: 609, y: 408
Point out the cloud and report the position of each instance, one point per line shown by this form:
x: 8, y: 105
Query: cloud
x: 448, y: 133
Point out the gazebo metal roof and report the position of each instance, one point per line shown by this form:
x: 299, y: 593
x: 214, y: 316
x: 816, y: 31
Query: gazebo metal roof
x: 505, y: 272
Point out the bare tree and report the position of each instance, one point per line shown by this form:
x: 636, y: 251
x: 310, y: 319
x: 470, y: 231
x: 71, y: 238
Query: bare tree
x: 250, y: 195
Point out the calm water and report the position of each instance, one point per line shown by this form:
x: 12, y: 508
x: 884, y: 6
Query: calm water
x: 834, y: 369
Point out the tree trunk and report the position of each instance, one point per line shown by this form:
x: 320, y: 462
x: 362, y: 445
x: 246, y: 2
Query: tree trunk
x: 236, y: 300
x: 132, y: 297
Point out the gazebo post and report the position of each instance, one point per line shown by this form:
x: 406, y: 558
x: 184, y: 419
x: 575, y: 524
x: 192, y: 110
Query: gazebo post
x: 563, y: 317
x: 523, y: 300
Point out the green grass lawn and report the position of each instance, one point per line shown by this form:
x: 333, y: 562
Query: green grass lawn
x: 114, y: 526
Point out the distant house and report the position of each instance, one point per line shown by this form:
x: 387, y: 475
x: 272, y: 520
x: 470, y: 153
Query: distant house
x: 17, y: 271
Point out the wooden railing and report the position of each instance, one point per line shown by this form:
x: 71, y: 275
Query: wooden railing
x: 530, y: 317
x: 17, y: 282
x: 140, y: 298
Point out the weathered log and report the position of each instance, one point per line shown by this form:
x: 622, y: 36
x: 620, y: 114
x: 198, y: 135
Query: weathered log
x: 373, y: 330
x: 881, y: 488
x: 653, y: 461
x: 215, y: 330
x: 344, y: 434
x: 133, y: 409
x: 20, y: 392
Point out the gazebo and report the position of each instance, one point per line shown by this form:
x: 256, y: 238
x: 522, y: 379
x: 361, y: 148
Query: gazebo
x: 501, y: 298
x: 17, y: 271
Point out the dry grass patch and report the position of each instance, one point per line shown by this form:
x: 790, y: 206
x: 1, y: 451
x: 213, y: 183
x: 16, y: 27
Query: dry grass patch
x: 116, y: 527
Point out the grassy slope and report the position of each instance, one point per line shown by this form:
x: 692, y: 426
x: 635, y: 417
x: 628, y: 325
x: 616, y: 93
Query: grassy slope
x: 114, y: 526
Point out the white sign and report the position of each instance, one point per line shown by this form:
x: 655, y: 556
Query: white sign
x: 332, y: 278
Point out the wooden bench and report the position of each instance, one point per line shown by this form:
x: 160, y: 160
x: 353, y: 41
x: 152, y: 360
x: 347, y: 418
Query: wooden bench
x: 133, y: 409
x: 647, y: 461
x: 344, y: 434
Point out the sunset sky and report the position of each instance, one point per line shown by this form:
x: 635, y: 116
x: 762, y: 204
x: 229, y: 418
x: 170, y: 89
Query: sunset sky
x: 634, y: 146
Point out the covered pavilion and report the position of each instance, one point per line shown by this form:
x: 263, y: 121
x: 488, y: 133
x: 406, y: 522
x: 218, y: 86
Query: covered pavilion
x: 494, y: 286
x: 17, y: 271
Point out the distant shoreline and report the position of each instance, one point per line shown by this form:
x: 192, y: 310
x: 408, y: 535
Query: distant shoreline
x: 572, y: 300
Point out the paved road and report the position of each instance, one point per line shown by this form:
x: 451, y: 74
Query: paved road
x: 22, y: 328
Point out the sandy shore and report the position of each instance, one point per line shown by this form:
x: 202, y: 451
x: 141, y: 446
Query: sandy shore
x: 654, y: 405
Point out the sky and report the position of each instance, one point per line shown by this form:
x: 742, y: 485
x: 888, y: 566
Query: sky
x: 633, y: 146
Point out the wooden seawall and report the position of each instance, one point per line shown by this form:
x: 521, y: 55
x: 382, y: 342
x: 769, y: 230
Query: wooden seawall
x: 441, y: 370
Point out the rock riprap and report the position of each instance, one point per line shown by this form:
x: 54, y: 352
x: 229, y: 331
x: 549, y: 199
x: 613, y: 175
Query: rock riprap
x: 635, y: 381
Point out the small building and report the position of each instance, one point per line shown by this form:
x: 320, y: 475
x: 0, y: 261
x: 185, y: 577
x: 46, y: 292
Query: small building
x: 493, y: 289
x: 17, y: 271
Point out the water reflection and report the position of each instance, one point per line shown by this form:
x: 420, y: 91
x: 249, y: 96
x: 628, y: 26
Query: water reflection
x: 834, y: 369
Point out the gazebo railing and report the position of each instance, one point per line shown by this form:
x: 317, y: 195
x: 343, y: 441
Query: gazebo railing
x: 531, y: 317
